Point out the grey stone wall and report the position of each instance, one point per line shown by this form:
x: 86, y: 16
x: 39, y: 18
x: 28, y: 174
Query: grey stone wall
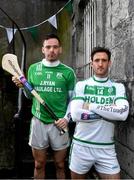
x: 115, y: 30
x: 119, y: 38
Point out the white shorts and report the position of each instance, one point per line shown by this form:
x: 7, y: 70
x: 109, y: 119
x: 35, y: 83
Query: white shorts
x: 45, y: 135
x: 83, y: 158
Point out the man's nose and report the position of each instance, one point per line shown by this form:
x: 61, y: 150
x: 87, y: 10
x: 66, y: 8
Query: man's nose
x: 100, y: 63
x: 52, y: 48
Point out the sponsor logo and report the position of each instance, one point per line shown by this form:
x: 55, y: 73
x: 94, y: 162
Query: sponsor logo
x: 112, y: 109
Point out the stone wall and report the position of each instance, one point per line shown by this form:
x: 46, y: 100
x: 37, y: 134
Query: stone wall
x: 115, y: 30
x: 119, y: 37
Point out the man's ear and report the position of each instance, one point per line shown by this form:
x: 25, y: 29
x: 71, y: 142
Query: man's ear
x: 60, y: 50
x: 91, y: 62
x: 42, y: 50
x: 110, y: 62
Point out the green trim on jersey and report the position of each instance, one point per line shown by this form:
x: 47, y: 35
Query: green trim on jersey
x: 121, y: 98
x: 101, y: 81
x: 96, y: 143
x: 78, y: 98
x: 53, y: 85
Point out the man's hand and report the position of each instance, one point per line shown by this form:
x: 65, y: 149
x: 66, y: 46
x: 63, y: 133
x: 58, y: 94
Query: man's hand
x: 86, y: 106
x: 17, y: 82
x: 61, y: 123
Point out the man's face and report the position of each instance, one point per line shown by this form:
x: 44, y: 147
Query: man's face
x: 51, y: 49
x: 100, y: 64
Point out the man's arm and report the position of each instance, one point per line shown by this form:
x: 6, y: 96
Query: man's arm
x: 67, y: 115
x: 71, y: 81
x: 80, y: 114
x: 115, y: 112
x: 63, y: 122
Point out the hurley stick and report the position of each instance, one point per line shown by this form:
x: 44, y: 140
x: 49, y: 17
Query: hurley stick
x: 10, y: 64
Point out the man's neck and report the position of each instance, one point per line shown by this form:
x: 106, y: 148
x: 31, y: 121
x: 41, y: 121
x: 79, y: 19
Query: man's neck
x: 50, y: 63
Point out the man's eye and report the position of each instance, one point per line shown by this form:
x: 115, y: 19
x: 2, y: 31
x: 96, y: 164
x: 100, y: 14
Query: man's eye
x: 96, y: 60
x: 55, y: 47
x: 102, y: 60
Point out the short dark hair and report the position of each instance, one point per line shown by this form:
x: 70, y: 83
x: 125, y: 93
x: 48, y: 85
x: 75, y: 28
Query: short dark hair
x: 100, y: 49
x: 51, y: 36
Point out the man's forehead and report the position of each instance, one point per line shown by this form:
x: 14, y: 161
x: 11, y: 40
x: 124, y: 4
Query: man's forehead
x: 100, y: 54
x: 51, y: 41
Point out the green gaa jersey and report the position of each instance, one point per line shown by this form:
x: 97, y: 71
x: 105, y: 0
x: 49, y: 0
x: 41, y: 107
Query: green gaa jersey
x: 53, y: 82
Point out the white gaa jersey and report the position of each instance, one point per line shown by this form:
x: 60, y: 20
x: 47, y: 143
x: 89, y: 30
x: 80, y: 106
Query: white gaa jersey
x: 107, y: 103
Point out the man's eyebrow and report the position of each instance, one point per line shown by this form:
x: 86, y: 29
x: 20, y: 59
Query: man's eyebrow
x: 52, y: 46
x: 100, y: 59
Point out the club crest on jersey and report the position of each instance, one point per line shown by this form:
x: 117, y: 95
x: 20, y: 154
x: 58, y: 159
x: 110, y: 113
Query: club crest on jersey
x: 110, y: 90
x: 59, y: 75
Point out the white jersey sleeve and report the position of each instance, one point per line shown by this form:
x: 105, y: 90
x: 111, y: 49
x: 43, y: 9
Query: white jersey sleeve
x: 77, y: 112
x: 80, y: 114
x: 117, y: 111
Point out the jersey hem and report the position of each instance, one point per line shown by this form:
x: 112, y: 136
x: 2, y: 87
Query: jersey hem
x: 93, y: 144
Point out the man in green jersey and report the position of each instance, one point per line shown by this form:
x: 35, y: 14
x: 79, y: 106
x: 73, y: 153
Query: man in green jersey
x: 54, y: 81
x: 97, y: 102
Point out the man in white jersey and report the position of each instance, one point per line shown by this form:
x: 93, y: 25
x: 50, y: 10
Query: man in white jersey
x: 97, y: 103
x: 54, y: 81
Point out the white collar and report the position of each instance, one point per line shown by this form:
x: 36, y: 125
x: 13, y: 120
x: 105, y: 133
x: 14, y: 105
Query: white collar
x: 50, y: 64
x: 100, y: 79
